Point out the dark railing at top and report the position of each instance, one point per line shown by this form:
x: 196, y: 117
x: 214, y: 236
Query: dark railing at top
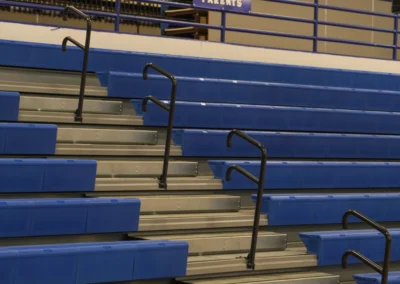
x: 85, y: 48
x: 170, y: 109
x: 384, y: 270
x: 119, y: 15
x: 259, y: 181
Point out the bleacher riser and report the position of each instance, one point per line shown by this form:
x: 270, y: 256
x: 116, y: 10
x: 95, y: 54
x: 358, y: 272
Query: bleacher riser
x: 202, y: 208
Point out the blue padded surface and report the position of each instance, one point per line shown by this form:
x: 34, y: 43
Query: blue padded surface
x: 375, y: 278
x: 21, y: 138
x: 308, y: 175
x: 37, y: 55
x: 330, y: 246
x: 9, y: 105
x: 31, y: 217
x: 305, y: 209
x: 212, y: 143
x: 90, y: 262
x: 228, y: 116
x: 132, y: 85
x: 45, y: 175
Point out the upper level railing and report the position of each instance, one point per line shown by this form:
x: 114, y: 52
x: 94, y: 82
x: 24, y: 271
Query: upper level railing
x: 389, y: 30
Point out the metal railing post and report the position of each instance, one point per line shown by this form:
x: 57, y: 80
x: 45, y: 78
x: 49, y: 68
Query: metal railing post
x: 170, y: 109
x: 118, y: 15
x: 85, y: 48
x: 395, y: 36
x: 223, y: 25
x: 259, y: 181
x: 315, y: 41
x: 384, y: 271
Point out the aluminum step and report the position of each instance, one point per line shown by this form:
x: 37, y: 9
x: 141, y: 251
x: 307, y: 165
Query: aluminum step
x: 217, y: 243
x: 168, y: 222
x: 60, y: 104
x: 174, y: 183
x: 92, y: 136
x: 282, y: 278
x: 107, y: 168
x: 115, y: 150
x: 88, y: 118
x: 48, y: 82
x: 189, y: 203
x: 233, y: 263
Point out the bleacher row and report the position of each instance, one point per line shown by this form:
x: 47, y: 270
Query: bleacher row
x: 325, y: 114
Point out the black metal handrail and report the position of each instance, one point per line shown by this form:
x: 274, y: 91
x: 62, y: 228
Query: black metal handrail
x: 259, y: 181
x: 85, y: 48
x: 384, y: 270
x: 170, y: 109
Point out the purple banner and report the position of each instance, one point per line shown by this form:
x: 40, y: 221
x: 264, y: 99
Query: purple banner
x: 227, y: 5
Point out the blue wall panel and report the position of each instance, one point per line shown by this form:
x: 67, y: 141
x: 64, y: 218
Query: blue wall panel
x: 132, y: 85
x: 9, y: 104
x: 305, y: 209
x: 90, y: 262
x: 229, y: 116
x: 30, y: 217
x: 20, y: 138
x: 212, y: 143
x: 50, y: 56
x: 312, y: 175
x: 329, y: 246
x: 45, y: 175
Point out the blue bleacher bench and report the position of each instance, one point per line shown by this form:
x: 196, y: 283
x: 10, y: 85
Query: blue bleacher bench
x: 48, y: 56
x: 375, y: 278
x: 212, y: 143
x: 83, y: 263
x: 307, y: 209
x: 67, y: 216
x: 47, y: 175
x: 198, y: 89
x: 9, y: 106
x: 309, y: 175
x: 331, y: 245
x: 252, y: 117
x: 22, y: 138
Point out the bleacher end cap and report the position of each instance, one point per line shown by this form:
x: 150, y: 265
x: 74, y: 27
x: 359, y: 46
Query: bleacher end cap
x: 396, y: 6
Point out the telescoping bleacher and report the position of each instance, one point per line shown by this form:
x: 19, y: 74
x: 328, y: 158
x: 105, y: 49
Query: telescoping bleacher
x: 82, y: 202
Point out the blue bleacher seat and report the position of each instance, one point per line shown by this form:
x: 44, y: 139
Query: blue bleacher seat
x: 308, y: 175
x: 375, y: 278
x: 37, y: 55
x: 212, y: 143
x: 63, y: 216
x: 195, y: 89
x: 21, y: 138
x: 228, y: 116
x: 83, y: 263
x: 306, y: 209
x: 9, y: 106
x: 331, y: 245
x: 47, y: 175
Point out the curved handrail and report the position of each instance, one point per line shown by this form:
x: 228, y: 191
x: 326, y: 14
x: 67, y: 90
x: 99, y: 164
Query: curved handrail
x: 170, y: 109
x: 259, y: 181
x: 154, y: 100
x: 384, y: 270
x: 85, y: 48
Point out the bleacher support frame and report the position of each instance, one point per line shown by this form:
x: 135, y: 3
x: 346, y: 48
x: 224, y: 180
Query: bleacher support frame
x: 259, y: 181
x: 85, y: 48
x: 384, y: 270
x: 170, y: 109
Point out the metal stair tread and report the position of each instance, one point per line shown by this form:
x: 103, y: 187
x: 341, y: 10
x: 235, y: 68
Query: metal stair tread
x: 259, y: 255
x: 210, y: 235
x: 267, y: 278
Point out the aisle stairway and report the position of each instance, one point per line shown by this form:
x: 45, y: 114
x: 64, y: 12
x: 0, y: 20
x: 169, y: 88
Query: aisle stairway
x: 217, y: 225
